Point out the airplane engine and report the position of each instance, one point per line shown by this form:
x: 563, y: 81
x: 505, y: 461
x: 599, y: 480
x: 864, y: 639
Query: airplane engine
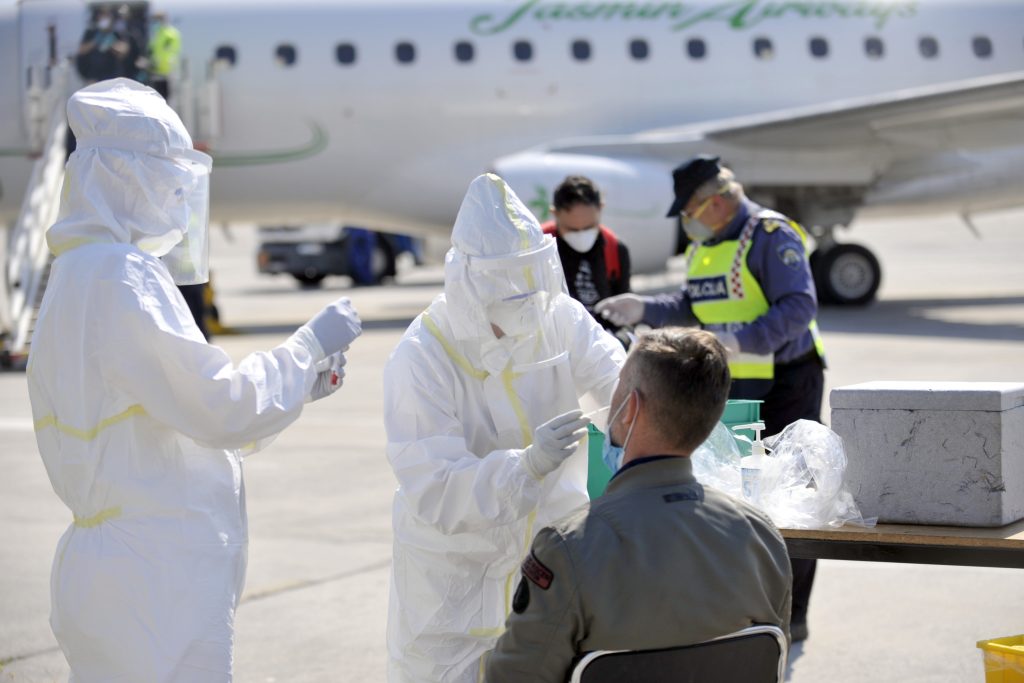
x: 636, y: 193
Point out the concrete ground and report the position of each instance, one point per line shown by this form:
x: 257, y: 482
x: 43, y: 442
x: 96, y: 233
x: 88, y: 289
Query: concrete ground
x: 314, y: 609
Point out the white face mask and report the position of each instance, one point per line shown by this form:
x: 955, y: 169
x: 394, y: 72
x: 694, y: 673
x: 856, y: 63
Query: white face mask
x: 582, y: 241
x: 517, y: 317
x: 697, y: 231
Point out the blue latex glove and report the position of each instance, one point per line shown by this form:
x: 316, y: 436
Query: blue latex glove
x: 335, y: 327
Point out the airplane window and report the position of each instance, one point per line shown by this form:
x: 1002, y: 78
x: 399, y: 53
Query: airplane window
x: 464, y: 51
x: 696, y: 48
x: 523, y: 50
x: 226, y: 53
x: 405, y: 53
x: 982, y: 47
x: 819, y: 47
x: 346, y: 53
x: 638, y: 48
x: 763, y: 48
x: 929, y: 47
x: 581, y: 50
x: 286, y: 55
x: 874, y: 47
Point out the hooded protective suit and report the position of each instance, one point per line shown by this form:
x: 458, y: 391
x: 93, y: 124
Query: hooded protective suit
x: 141, y: 423
x: 460, y: 408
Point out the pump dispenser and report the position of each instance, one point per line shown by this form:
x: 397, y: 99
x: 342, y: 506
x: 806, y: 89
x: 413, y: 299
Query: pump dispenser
x: 750, y: 466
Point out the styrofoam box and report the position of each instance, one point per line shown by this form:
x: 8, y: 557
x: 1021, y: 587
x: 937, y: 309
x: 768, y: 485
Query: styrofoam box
x: 947, y: 453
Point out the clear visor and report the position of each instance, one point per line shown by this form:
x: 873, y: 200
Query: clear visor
x: 534, y: 275
x: 189, y: 260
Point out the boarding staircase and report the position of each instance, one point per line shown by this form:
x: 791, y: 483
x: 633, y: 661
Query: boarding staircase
x: 26, y: 258
x: 24, y: 255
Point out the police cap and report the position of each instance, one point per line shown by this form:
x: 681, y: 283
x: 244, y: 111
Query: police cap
x: 688, y: 176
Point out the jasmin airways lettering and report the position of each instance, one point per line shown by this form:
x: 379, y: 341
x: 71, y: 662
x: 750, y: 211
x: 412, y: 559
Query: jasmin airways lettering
x: 678, y: 16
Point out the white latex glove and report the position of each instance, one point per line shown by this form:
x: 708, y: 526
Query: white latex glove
x: 621, y: 310
x: 329, y: 378
x: 729, y: 341
x: 335, y: 327
x: 553, y: 442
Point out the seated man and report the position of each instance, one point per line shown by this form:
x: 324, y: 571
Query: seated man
x: 658, y: 561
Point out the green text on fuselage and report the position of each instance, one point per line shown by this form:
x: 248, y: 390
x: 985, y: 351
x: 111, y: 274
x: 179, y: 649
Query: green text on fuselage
x: 738, y: 14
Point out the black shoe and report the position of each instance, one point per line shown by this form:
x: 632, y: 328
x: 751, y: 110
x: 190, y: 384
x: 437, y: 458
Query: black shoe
x: 798, y: 631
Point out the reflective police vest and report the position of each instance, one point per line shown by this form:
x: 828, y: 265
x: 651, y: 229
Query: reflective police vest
x: 164, y: 47
x: 722, y: 290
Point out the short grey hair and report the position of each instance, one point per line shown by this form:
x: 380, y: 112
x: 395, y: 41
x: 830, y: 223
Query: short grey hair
x: 682, y: 375
x: 724, y: 183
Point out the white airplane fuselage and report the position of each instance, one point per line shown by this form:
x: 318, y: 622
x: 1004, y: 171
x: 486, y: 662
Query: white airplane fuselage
x: 392, y: 145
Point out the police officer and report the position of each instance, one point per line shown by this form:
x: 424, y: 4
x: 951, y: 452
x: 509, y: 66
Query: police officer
x: 658, y: 561
x: 748, y: 281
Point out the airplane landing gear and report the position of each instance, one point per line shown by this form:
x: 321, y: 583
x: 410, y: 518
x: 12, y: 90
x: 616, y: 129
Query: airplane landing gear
x: 845, y: 274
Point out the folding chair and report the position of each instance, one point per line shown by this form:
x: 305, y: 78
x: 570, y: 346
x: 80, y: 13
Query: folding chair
x: 756, y: 654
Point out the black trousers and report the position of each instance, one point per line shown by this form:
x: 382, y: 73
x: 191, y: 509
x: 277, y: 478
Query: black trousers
x: 796, y: 395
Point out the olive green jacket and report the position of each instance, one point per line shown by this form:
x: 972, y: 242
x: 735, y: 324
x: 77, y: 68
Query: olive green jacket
x: 656, y: 562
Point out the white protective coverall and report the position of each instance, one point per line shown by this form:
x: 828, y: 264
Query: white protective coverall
x: 141, y: 424
x: 460, y: 407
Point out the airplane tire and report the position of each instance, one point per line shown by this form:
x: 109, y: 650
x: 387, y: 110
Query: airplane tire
x: 819, y: 282
x: 846, y: 275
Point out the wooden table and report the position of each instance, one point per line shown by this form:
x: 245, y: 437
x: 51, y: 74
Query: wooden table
x: 968, y: 546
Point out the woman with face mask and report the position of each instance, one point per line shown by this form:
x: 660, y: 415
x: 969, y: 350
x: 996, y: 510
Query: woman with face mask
x: 595, y: 261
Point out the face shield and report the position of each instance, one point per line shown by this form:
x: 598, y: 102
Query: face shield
x: 189, y: 260
x: 516, y: 292
x: 184, y: 249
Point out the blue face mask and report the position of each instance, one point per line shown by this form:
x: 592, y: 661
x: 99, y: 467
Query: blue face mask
x: 611, y: 454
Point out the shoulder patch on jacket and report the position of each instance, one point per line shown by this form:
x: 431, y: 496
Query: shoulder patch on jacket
x: 770, y: 225
x: 535, y: 571
x: 791, y: 256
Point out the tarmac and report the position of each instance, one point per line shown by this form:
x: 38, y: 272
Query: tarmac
x: 951, y: 307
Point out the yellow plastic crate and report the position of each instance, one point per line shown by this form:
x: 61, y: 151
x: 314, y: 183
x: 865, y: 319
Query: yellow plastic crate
x: 1004, y: 659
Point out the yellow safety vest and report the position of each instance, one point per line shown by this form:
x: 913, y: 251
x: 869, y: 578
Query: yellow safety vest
x: 722, y: 290
x: 164, y: 47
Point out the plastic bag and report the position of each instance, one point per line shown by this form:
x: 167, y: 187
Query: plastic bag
x: 716, y: 462
x: 802, y: 479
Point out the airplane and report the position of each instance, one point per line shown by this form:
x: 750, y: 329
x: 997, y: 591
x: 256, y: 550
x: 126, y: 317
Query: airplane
x: 379, y: 112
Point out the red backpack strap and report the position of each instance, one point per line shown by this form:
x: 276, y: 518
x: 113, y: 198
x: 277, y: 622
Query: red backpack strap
x: 611, y: 254
x: 548, y: 228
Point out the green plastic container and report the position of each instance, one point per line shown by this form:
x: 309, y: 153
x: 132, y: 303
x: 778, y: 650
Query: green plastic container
x: 742, y: 412
x: 736, y: 413
x: 597, y: 474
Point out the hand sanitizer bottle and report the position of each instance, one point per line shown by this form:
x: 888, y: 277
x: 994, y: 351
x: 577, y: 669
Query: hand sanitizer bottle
x: 750, y: 466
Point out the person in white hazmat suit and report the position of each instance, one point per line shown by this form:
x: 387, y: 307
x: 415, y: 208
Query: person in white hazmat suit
x: 483, y: 422
x: 140, y: 423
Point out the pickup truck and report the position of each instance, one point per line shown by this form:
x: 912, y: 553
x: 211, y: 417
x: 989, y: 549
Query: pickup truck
x: 310, y: 253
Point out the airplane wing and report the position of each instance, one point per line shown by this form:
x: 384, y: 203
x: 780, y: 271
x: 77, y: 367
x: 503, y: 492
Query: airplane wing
x: 952, y: 147
x: 848, y: 142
